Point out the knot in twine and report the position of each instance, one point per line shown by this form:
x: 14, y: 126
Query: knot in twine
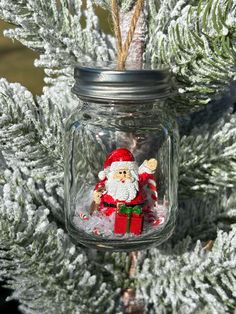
x: 123, y: 50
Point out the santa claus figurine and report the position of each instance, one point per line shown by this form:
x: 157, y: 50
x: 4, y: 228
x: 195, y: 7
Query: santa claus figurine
x: 123, y: 182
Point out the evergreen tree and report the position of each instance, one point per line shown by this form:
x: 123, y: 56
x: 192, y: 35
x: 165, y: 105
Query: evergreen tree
x: 48, y: 274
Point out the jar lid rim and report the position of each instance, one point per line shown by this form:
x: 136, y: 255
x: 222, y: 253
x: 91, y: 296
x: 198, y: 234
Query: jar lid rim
x: 103, y: 84
x: 116, y: 71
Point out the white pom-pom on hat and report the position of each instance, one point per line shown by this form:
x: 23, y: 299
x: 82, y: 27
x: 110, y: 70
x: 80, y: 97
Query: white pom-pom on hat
x: 102, y: 175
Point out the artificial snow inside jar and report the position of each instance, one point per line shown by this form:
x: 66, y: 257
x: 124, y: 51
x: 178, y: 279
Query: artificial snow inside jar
x: 121, y: 156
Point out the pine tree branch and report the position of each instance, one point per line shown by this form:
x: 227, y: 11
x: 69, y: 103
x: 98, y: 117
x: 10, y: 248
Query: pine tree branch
x: 187, y: 280
x: 207, y: 159
x: 41, y: 264
x: 54, y: 29
x: 197, y: 42
x: 31, y: 138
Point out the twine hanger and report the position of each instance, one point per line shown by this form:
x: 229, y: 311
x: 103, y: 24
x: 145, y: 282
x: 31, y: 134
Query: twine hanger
x: 123, y: 50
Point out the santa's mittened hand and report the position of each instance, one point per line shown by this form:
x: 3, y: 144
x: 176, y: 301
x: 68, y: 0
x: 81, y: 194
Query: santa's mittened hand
x: 151, y: 164
x: 97, y: 197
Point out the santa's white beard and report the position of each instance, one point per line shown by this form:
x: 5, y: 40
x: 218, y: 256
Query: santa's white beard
x: 122, y: 191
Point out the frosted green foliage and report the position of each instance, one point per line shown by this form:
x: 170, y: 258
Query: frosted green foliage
x: 187, y: 280
x: 47, y: 272
x: 197, y: 41
x: 200, y: 217
x: 54, y: 29
x: 126, y: 5
x: 39, y: 262
x: 208, y: 161
x: 207, y: 172
x: 31, y: 137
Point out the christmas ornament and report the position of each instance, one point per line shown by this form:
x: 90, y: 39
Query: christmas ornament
x: 121, y: 159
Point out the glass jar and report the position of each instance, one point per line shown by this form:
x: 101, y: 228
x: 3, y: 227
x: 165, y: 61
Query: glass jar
x: 121, y: 160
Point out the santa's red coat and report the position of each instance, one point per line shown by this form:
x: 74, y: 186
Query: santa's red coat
x: 138, y: 200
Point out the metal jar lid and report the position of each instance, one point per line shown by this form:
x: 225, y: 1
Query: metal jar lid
x: 105, y: 85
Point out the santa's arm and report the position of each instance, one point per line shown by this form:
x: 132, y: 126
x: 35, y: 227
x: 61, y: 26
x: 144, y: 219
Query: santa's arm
x: 148, y: 167
x: 97, y: 194
x: 146, y: 177
x: 98, y: 191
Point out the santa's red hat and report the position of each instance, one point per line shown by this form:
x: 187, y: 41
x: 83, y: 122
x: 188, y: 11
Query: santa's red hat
x: 118, y: 158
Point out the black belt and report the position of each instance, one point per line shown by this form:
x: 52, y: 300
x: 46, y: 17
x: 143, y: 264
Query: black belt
x: 115, y: 206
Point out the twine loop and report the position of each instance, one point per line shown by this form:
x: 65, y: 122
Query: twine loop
x: 123, y: 50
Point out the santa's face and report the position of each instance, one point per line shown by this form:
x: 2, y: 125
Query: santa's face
x: 122, y: 184
x: 122, y: 174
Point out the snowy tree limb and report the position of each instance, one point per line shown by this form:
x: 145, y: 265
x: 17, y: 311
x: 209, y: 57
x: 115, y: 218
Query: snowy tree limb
x: 197, y: 42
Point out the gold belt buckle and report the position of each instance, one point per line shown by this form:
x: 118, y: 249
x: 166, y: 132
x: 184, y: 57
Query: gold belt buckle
x: 118, y: 205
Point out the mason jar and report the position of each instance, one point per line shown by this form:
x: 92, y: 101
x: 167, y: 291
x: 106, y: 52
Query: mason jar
x: 121, y: 160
